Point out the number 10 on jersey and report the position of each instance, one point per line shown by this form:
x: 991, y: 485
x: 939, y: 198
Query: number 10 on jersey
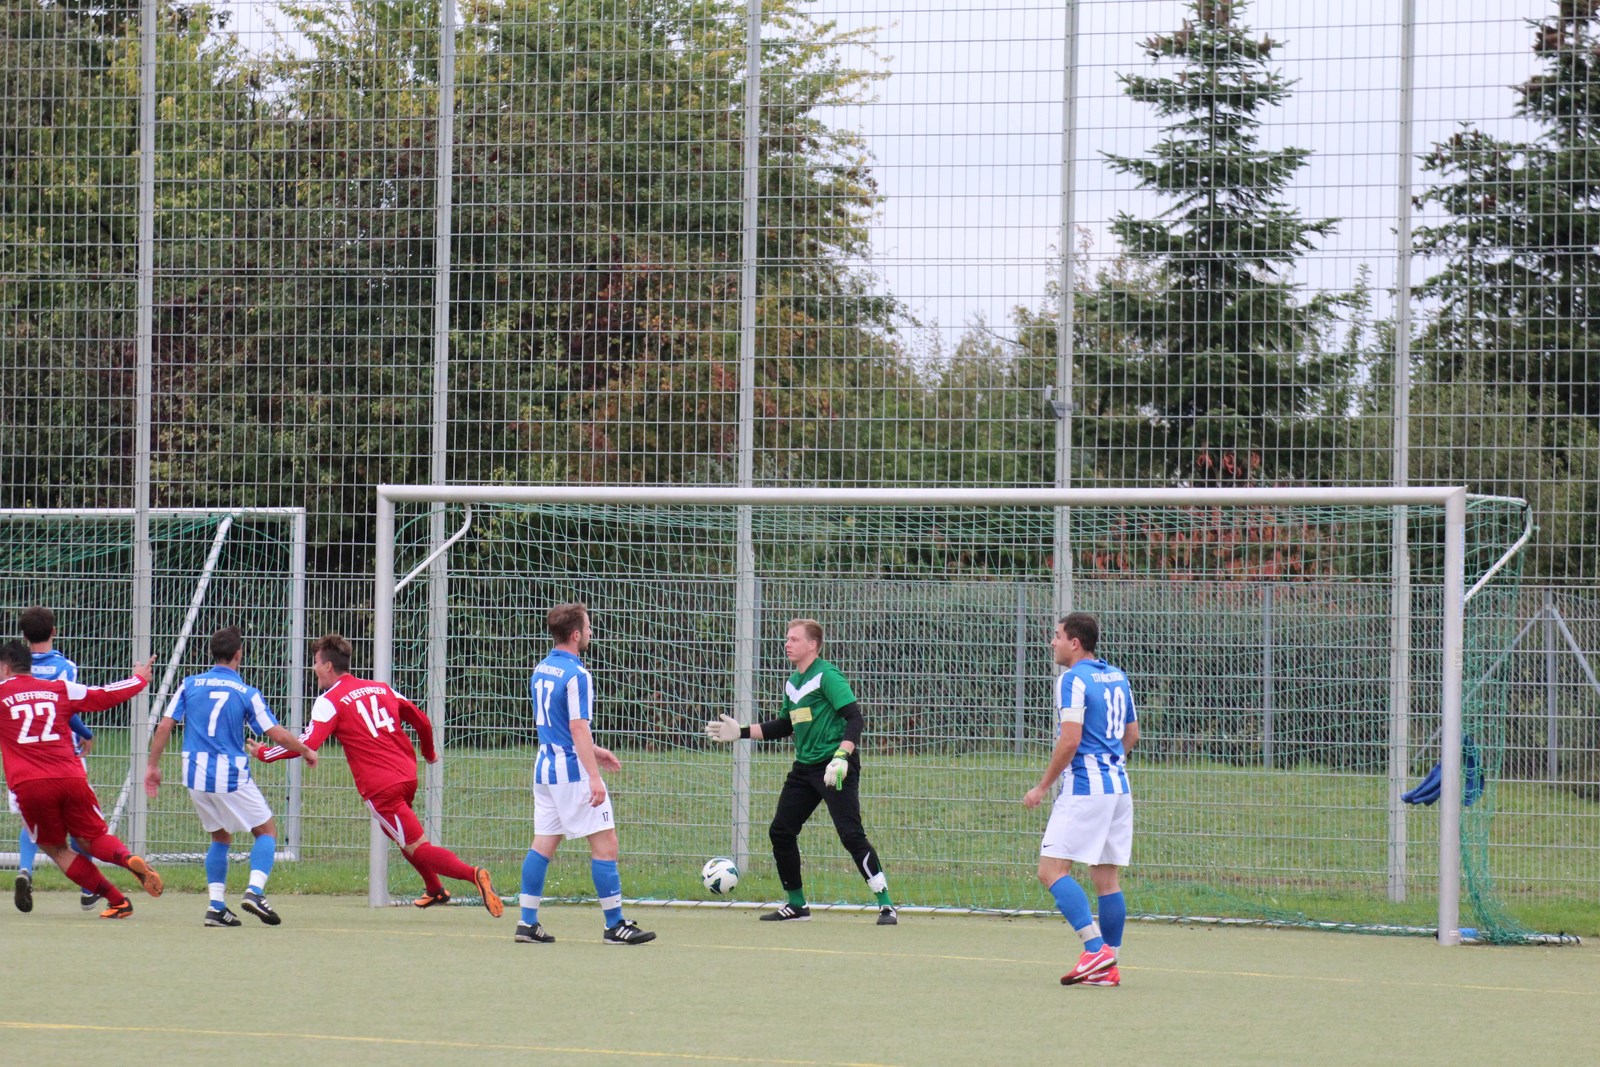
x: 1116, y: 711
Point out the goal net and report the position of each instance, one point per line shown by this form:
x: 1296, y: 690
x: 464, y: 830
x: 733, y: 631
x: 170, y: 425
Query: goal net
x: 209, y: 569
x: 1259, y: 630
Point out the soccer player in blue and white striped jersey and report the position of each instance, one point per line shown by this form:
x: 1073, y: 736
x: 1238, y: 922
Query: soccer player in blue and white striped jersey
x: 216, y: 708
x: 569, y: 796
x: 1092, y: 819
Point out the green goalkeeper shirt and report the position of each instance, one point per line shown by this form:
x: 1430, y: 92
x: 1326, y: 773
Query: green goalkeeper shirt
x: 811, y: 702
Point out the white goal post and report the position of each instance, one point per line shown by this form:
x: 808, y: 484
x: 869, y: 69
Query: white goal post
x: 1452, y: 500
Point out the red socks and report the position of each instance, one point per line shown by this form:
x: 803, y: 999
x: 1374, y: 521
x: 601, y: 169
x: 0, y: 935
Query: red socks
x: 108, y: 849
x: 428, y: 856
x: 87, y: 875
x: 430, y: 881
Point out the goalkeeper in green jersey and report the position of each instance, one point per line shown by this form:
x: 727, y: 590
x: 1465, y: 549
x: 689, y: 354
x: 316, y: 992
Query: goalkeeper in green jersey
x: 820, y: 710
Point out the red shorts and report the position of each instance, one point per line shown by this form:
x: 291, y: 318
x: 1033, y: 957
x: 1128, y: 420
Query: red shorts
x: 391, y: 806
x: 55, y: 808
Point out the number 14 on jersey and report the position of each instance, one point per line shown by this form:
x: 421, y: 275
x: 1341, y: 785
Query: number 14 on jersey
x: 375, y: 715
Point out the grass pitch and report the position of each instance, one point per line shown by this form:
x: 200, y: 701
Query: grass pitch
x: 341, y: 983
x: 1209, y: 839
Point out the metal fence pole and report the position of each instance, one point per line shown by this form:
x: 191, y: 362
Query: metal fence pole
x: 1551, y: 704
x: 744, y: 549
x: 1019, y: 696
x: 439, y: 572
x: 382, y: 671
x: 1455, y: 554
x: 1400, y: 564
x: 1267, y: 694
x: 1066, y: 312
x: 144, y: 329
x: 295, y: 689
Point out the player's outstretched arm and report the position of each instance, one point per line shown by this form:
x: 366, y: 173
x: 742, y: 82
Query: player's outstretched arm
x: 323, y: 718
x: 104, y: 697
x: 724, y: 729
x: 293, y: 744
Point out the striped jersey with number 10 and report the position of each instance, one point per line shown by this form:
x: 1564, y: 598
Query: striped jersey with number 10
x: 562, y: 691
x: 1100, y: 693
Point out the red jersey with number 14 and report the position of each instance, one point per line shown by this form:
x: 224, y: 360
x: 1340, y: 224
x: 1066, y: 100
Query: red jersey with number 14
x: 34, y: 739
x: 365, y: 718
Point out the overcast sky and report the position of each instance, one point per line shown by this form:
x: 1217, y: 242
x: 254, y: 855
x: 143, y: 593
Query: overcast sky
x: 965, y: 131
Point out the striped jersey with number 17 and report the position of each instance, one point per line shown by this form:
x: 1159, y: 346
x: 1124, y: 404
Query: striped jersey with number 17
x: 1098, y: 693
x: 562, y: 691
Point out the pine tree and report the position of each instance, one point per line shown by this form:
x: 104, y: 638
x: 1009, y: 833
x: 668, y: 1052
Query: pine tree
x: 1507, y: 394
x: 1229, y: 378
x: 1519, y: 301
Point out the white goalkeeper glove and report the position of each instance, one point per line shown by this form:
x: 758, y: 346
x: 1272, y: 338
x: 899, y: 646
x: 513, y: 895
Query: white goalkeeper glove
x: 838, y: 770
x: 723, y: 729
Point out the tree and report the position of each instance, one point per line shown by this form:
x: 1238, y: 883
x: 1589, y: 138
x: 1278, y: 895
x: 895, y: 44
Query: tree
x: 1508, y: 365
x: 1519, y: 298
x: 594, y: 303
x: 67, y: 256
x: 1226, y: 367
x: 598, y: 208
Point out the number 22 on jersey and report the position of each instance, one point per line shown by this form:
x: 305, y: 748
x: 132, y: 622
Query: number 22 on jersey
x: 28, y: 712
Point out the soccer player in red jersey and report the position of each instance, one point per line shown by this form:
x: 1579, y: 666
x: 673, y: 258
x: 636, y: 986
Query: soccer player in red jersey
x: 51, y: 785
x: 365, y: 716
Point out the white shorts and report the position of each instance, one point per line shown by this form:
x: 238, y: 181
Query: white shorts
x: 243, y: 809
x: 564, y: 809
x: 1092, y: 830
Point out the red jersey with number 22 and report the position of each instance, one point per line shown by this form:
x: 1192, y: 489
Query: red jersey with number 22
x: 34, y: 739
x: 365, y: 717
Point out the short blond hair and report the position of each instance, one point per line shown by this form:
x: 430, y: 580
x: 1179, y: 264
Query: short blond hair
x: 812, y: 627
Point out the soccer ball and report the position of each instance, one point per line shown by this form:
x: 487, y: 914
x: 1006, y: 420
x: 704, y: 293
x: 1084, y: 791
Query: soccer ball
x: 719, y: 875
